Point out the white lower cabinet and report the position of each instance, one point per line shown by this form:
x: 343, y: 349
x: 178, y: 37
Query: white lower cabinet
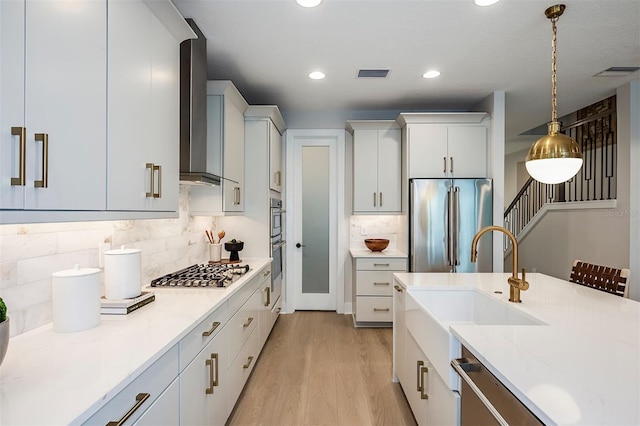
x: 430, y: 398
x: 139, y: 396
x: 165, y: 410
x: 205, y: 385
x: 372, y: 288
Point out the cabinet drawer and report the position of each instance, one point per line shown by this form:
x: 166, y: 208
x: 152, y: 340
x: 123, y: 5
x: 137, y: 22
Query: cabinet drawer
x: 197, y: 338
x: 374, y: 308
x: 242, y: 295
x: 154, y: 380
x: 243, y: 323
x: 374, y: 283
x: 241, y: 368
x: 381, y: 264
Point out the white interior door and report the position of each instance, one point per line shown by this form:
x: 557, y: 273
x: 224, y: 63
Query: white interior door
x: 312, y: 209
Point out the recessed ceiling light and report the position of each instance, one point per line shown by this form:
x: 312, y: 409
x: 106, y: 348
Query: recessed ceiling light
x: 431, y: 74
x: 317, y: 75
x: 485, y: 2
x: 308, y: 3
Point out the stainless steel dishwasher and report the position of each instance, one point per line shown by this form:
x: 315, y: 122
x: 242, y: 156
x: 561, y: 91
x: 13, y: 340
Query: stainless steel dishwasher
x: 484, y: 399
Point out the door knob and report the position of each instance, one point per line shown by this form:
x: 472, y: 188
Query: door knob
x: 298, y: 245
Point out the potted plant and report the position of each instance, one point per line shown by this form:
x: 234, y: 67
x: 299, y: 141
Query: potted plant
x: 4, y: 330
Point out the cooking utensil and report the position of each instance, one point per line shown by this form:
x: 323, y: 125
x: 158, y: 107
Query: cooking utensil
x: 209, y: 236
x: 221, y: 235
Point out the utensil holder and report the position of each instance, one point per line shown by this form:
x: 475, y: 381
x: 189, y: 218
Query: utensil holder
x: 215, y: 252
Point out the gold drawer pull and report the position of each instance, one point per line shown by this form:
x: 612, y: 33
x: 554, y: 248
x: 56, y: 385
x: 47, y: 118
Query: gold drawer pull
x: 268, y: 302
x: 44, y: 182
x: 22, y: 168
x: 381, y: 264
x: 140, y: 398
x: 418, y: 377
x: 151, y: 192
x: 380, y: 310
x: 381, y: 283
x: 215, y: 325
x: 423, y: 395
x: 398, y: 288
x: 158, y: 169
x: 249, y: 321
x: 213, y: 365
x: 249, y: 361
x: 266, y: 273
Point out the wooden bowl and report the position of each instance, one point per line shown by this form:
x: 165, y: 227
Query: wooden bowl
x: 376, y: 244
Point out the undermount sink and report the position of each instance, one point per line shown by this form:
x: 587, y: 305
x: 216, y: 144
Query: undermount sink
x: 470, y: 306
x: 430, y: 312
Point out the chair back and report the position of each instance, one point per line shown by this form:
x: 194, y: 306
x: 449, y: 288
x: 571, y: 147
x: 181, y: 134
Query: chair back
x: 604, y: 278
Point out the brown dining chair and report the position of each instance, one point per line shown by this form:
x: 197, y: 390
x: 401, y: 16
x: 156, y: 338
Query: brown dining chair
x: 604, y: 278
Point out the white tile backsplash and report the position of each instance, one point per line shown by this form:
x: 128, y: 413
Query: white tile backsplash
x: 30, y: 253
x: 373, y: 226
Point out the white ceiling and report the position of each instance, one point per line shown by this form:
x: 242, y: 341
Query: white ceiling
x: 268, y: 47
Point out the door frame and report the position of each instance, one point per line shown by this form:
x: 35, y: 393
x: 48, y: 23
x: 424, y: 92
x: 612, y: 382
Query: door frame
x: 293, y: 138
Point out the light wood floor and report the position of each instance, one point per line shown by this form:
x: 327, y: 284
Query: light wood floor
x: 317, y: 369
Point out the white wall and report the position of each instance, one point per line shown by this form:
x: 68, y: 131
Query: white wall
x: 512, y: 179
x: 30, y: 253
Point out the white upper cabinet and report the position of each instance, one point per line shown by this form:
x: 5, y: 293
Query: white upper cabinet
x: 377, y: 166
x: 53, y: 111
x: 225, y: 146
x: 446, y: 145
x: 275, y: 158
x: 144, y: 90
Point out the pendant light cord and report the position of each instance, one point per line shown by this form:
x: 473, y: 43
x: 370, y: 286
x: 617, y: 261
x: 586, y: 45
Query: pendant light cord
x: 554, y: 113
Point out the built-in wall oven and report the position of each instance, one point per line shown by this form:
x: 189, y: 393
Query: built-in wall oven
x: 277, y: 244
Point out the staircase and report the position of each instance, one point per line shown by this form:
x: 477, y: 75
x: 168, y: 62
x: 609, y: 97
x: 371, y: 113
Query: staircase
x: 595, y: 132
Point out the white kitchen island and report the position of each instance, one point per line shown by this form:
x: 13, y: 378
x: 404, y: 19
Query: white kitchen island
x: 581, y: 367
x: 50, y: 378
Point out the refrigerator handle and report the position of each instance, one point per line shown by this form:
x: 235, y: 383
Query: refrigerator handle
x: 449, y: 238
x: 456, y: 226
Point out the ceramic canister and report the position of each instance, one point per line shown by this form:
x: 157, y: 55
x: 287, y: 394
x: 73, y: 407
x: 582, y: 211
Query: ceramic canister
x: 76, y: 299
x: 122, y: 273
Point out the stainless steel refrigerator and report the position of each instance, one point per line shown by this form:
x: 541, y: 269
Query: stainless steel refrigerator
x: 444, y: 215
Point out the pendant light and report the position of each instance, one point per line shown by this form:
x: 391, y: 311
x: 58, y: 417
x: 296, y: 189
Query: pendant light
x: 554, y: 158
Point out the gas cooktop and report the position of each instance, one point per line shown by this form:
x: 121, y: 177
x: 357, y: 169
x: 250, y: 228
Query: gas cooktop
x: 203, y: 275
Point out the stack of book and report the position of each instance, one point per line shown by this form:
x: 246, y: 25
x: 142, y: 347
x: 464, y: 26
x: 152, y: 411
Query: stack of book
x: 125, y: 306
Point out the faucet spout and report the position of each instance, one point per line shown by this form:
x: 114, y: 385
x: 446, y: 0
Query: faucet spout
x: 515, y: 283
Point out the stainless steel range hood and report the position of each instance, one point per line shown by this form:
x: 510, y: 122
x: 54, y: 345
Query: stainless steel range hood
x: 193, y: 111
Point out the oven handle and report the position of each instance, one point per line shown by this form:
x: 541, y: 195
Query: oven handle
x: 460, y: 364
x: 278, y: 245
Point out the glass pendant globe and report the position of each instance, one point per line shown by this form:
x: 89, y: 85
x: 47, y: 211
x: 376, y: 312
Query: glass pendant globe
x: 553, y: 170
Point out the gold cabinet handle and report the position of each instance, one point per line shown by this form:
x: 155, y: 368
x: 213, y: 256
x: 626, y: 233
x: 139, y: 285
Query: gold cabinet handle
x: 249, y: 321
x: 375, y: 283
x: 381, y: 264
x: 149, y: 166
x: 451, y: 163
x: 423, y: 395
x: 374, y: 199
x: 215, y: 325
x: 249, y: 361
x: 268, y: 302
x: 444, y: 168
x: 418, y: 378
x: 381, y: 199
x: 266, y: 273
x: 140, y: 399
x: 22, y: 167
x: 44, y: 182
x: 157, y: 168
x: 212, y: 363
x: 398, y: 288
x: 380, y: 309
x: 279, y: 173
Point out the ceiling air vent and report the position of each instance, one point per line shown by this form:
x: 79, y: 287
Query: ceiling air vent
x: 617, y: 71
x: 369, y: 73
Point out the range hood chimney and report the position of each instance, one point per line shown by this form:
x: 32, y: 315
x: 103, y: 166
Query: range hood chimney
x: 193, y: 111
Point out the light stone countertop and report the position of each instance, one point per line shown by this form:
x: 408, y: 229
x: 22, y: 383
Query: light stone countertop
x: 50, y: 378
x: 358, y: 253
x: 582, y: 368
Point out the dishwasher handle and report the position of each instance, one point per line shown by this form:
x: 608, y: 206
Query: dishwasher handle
x: 462, y: 365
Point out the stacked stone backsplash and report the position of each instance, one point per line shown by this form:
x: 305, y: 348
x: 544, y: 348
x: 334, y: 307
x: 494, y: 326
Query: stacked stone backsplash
x: 30, y: 253
x: 364, y: 226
